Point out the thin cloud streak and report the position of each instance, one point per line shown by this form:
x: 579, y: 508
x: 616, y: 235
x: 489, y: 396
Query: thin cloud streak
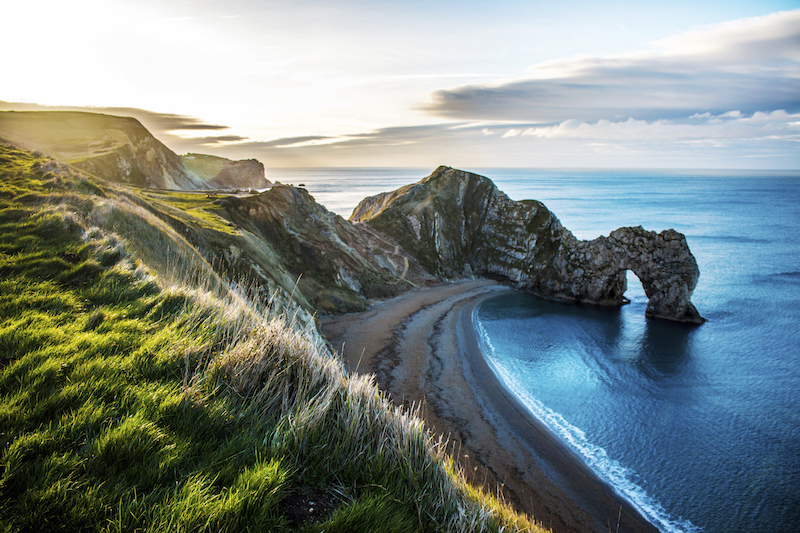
x: 152, y: 120
x: 729, y: 140
x: 215, y: 140
x: 166, y: 127
x: 731, y: 125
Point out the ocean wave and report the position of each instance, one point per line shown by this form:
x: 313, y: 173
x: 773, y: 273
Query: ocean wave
x: 595, y: 457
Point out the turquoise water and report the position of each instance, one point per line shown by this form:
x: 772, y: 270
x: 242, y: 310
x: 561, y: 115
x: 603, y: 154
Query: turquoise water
x: 698, y: 426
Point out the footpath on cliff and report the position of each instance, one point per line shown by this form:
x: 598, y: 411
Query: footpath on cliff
x: 423, y: 350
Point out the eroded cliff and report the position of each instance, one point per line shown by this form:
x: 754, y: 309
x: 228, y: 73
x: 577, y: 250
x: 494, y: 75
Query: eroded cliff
x: 459, y: 224
x: 337, y: 268
x: 121, y: 150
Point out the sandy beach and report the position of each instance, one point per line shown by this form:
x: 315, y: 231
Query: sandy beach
x: 423, y: 349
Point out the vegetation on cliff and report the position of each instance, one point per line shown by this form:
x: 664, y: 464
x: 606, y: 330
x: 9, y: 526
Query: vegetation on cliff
x: 120, y: 149
x: 143, y: 389
x: 221, y: 173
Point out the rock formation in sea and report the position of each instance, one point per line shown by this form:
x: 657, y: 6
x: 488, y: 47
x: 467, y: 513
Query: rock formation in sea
x: 458, y: 224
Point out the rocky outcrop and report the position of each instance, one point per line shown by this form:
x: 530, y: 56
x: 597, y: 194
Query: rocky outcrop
x: 459, y: 224
x: 594, y: 271
x: 337, y: 267
x: 221, y: 173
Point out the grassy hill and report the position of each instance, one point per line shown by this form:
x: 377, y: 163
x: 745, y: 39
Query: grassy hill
x: 120, y: 149
x: 142, y: 389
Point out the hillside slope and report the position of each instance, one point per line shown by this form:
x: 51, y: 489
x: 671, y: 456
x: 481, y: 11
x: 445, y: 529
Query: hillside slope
x: 141, y: 390
x: 278, y: 239
x: 120, y: 149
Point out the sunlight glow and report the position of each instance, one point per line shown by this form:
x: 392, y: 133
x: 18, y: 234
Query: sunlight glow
x: 379, y: 83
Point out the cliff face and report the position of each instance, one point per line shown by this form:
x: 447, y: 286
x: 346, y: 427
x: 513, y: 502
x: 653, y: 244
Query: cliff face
x: 117, y: 149
x: 459, y: 224
x: 121, y: 150
x: 338, y: 267
x: 221, y: 173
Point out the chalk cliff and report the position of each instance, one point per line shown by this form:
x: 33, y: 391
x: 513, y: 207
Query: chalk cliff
x: 459, y: 224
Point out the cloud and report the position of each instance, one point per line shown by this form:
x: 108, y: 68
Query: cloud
x: 773, y: 36
x: 425, y: 145
x: 381, y: 137
x: 748, y: 65
x: 730, y: 125
x: 727, y: 140
x: 218, y: 139
x: 158, y: 122
x: 292, y: 142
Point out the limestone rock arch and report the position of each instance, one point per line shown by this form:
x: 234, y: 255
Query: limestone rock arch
x: 594, y: 271
x: 458, y: 224
x: 665, y: 266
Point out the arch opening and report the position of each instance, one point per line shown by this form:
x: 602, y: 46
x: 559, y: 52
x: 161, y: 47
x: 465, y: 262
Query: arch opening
x: 634, y: 289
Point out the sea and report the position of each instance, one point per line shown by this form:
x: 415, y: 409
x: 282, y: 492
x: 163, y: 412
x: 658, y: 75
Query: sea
x: 697, y: 426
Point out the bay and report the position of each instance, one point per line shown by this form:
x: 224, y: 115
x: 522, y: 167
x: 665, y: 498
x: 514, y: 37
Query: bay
x: 698, y: 426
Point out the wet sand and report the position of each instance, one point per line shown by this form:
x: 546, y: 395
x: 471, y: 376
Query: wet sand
x: 424, y: 351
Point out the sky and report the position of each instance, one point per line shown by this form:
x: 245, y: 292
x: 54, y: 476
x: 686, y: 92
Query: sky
x: 469, y: 84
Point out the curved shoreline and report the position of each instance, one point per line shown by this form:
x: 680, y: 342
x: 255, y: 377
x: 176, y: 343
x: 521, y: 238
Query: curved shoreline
x: 565, y: 468
x: 424, y: 350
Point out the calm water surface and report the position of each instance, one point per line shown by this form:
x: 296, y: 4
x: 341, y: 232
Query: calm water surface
x: 697, y: 426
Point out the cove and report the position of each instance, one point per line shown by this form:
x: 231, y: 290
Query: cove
x: 633, y: 398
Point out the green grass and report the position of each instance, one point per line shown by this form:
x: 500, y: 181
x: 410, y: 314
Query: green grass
x: 136, y: 399
x: 196, y: 205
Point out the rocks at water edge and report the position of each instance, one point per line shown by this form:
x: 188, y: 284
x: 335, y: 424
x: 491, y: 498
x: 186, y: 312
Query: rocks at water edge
x: 594, y: 271
x: 458, y: 224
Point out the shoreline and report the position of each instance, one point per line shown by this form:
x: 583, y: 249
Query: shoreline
x: 424, y: 350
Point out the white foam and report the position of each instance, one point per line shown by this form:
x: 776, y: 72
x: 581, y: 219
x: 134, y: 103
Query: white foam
x: 612, y: 472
